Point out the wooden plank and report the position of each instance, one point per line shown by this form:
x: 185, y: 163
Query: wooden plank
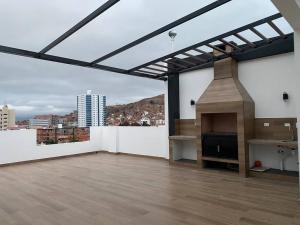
x: 185, y: 127
x: 276, y: 129
x: 279, y: 143
x: 120, y: 190
x: 213, y: 159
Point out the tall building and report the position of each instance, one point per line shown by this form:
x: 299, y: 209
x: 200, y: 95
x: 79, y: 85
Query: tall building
x: 91, y: 110
x: 7, y: 118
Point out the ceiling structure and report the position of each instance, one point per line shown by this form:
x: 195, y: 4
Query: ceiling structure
x: 197, y: 56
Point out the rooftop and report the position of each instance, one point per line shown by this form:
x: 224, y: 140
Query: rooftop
x: 121, y: 189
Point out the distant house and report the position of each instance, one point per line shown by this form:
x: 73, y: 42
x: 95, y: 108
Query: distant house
x: 145, y: 121
x: 39, y: 124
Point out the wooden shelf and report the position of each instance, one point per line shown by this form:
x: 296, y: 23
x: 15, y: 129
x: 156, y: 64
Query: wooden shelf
x: 281, y: 143
x: 233, y: 161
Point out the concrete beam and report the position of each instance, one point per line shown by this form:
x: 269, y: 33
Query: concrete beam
x: 290, y: 9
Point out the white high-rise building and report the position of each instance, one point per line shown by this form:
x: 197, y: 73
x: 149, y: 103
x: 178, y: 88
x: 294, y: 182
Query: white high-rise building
x: 91, y: 110
x: 7, y: 118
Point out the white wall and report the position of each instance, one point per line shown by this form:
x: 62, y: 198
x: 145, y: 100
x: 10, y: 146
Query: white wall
x: 270, y: 158
x: 184, y: 150
x: 109, y: 139
x: 191, y: 87
x: 265, y: 80
x: 148, y: 141
x: 20, y: 145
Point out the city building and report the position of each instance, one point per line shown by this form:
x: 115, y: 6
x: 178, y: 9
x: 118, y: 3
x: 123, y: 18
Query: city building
x: 39, y: 124
x: 7, y: 118
x: 62, y: 135
x: 91, y: 110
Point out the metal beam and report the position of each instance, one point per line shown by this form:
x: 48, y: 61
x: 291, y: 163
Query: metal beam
x: 79, y: 25
x: 245, y: 40
x: 185, y: 61
x: 155, y: 69
x: 203, y: 52
x: 234, y: 46
x: 148, y: 72
x: 276, y: 29
x: 197, y: 58
x: 211, y: 40
x: 175, y: 64
x: 218, y: 49
x: 259, y: 34
x: 276, y: 46
x: 164, y: 29
x: 162, y: 66
x: 58, y: 59
x: 173, y: 102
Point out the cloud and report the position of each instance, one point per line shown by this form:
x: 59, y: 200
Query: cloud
x: 34, y: 87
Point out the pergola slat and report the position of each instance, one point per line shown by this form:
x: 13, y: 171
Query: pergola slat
x: 148, y: 72
x: 197, y: 58
x: 155, y: 69
x: 230, y: 44
x: 218, y: 49
x: 276, y: 29
x: 79, y: 25
x: 244, y: 40
x: 185, y: 61
x: 164, y: 29
x: 259, y: 34
x: 211, y: 40
x: 175, y: 64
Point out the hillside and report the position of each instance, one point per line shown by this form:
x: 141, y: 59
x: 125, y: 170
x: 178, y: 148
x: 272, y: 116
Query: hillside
x: 149, y: 110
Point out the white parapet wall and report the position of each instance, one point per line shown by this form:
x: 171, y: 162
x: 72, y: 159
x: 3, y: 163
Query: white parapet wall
x: 148, y: 141
x: 21, y: 146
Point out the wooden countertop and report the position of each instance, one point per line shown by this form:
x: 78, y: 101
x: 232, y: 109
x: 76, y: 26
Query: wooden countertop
x: 182, y: 137
x: 280, y: 143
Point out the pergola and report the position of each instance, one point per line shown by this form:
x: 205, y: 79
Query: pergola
x: 186, y: 59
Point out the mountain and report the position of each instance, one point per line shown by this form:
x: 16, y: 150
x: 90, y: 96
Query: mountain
x: 148, y: 111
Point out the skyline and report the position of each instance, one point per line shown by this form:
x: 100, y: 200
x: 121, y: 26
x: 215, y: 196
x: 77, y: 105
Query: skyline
x: 36, y: 87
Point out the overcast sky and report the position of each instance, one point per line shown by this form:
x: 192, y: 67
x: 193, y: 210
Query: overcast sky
x: 34, y: 87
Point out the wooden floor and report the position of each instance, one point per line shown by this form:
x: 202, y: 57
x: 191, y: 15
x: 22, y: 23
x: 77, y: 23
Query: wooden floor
x: 117, y: 189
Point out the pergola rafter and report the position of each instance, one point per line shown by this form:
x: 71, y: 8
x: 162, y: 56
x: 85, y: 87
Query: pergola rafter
x: 160, y: 68
x: 208, y: 58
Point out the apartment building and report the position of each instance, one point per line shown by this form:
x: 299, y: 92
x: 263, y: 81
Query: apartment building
x: 7, y: 118
x: 91, y: 110
x: 39, y: 123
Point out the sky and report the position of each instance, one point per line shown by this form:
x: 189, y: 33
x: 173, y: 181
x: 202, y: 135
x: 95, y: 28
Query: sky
x: 34, y: 87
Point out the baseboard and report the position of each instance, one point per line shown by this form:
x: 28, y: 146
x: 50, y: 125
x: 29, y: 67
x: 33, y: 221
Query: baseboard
x: 134, y: 155
x: 142, y: 156
x: 78, y: 155
x: 48, y: 159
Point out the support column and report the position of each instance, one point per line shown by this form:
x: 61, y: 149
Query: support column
x: 297, y: 67
x: 173, y: 101
x: 290, y: 9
